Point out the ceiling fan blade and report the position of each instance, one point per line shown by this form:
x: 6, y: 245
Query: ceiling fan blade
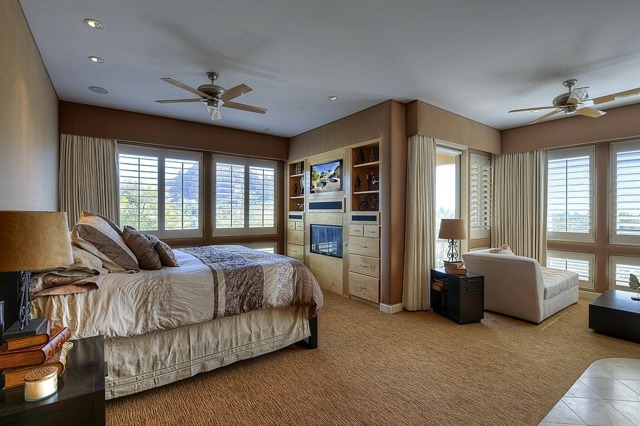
x: 173, y: 101
x: 614, y: 96
x: 185, y: 87
x: 244, y: 107
x: 590, y: 112
x: 533, y: 109
x: 234, y: 92
x: 578, y: 95
x: 544, y: 117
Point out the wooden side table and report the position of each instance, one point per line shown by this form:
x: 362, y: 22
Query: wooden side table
x: 80, y: 396
x: 461, y: 298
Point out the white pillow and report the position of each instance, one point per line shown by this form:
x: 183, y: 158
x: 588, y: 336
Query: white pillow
x: 503, y: 249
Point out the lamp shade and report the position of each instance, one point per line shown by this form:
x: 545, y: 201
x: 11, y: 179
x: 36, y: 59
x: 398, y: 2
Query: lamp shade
x: 452, y: 229
x: 34, y: 241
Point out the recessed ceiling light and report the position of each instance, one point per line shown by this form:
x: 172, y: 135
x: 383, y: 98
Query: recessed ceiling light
x: 94, y: 24
x: 96, y: 59
x: 535, y: 110
x: 267, y: 129
x: 98, y: 89
x: 333, y: 98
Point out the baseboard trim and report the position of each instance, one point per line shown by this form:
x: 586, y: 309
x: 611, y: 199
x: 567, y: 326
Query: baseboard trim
x: 391, y: 309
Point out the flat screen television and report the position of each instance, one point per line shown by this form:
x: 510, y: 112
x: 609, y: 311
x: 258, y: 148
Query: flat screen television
x: 326, y: 177
x: 326, y: 240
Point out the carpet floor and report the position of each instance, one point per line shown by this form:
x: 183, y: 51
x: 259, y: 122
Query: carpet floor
x: 371, y: 368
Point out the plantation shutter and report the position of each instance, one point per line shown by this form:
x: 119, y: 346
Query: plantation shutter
x: 480, y: 196
x: 262, y: 194
x: 569, y: 196
x: 626, y: 202
x: 182, y: 193
x: 229, y: 196
x: 138, y: 191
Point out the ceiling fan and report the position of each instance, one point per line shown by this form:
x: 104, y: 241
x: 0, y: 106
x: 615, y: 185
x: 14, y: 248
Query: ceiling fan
x: 214, y: 96
x: 577, y: 101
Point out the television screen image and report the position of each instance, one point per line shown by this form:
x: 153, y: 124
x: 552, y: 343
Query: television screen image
x: 326, y: 177
x: 326, y: 240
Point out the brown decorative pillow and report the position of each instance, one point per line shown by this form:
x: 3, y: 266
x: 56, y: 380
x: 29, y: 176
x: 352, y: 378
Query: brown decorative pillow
x: 167, y: 257
x: 142, y: 247
x: 98, y: 237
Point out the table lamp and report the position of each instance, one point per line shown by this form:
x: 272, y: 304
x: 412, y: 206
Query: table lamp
x: 452, y: 230
x: 31, y: 241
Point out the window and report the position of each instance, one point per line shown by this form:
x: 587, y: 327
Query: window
x: 480, y: 192
x: 245, y: 196
x: 160, y: 191
x: 580, y: 263
x: 447, y: 194
x: 625, y: 209
x: 620, y: 267
x: 570, y: 195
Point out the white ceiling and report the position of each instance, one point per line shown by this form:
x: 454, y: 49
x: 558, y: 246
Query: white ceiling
x: 476, y: 58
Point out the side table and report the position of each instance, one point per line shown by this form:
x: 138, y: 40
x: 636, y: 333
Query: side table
x: 80, y: 396
x: 614, y: 313
x: 461, y: 298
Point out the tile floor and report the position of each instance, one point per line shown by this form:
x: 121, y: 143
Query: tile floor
x: 607, y: 393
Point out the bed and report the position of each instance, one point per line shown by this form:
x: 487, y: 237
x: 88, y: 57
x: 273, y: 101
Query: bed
x: 221, y: 304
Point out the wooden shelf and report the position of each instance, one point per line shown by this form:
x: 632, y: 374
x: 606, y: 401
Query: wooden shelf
x: 371, y: 163
x: 373, y: 191
x: 297, y: 175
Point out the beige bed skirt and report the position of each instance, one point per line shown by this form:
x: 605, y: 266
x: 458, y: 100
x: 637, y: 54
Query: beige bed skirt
x: 138, y: 363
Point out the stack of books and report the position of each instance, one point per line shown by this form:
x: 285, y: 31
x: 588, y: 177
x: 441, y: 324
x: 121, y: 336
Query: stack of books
x: 20, y: 355
x: 456, y: 267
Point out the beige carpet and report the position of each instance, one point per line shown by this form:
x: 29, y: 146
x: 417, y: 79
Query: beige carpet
x: 373, y: 368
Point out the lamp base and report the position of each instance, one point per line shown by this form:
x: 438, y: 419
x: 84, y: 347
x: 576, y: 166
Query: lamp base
x: 35, y: 326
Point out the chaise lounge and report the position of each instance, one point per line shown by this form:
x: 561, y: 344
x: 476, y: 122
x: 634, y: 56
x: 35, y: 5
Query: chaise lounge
x: 519, y: 287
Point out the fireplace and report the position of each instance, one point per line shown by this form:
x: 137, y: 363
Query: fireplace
x: 326, y: 240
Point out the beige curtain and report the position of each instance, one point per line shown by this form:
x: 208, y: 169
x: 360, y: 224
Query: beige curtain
x: 520, y: 203
x: 420, y: 222
x: 88, y: 177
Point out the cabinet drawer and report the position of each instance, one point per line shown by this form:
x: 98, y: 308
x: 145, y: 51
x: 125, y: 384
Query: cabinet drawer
x: 364, y: 265
x: 364, y: 246
x: 295, y: 251
x: 299, y: 226
x: 363, y: 287
x: 291, y: 225
x: 372, y: 231
x: 356, y: 230
x: 295, y: 237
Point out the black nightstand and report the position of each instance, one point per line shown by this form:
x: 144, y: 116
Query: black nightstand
x: 80, y: 396
x: 460, y: 298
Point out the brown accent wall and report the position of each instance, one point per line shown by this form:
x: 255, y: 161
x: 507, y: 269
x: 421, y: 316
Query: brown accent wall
x: 28, y: 119
x: 618, y: 124
x: 386, y: 121
x: 434, y: 122
x: 87, y: 120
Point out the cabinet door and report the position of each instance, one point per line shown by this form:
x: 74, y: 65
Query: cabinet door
x: 363, y: 287
x: 364, y: 246
x: 364, y: 265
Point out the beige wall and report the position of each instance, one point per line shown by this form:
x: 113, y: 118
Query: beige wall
x: 28, y: 119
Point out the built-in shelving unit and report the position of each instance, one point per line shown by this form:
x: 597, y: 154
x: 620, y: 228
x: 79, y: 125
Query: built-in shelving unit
x: 295, y: 217
x: 296, y: 186
x: 365, y: 176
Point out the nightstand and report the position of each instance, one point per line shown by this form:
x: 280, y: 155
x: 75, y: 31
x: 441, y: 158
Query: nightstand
x: 80, y: 396
x: 458, y: 297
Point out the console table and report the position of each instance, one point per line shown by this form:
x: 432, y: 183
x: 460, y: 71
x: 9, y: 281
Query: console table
x: 80, y: 396
x: 461, y: 298
x: 615, y: 313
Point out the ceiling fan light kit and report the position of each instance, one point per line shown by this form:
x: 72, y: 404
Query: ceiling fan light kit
x: 214, y: 96
x: 576, y: 101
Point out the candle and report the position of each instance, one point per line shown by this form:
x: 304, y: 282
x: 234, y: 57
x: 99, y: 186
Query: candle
x: 40, y: 383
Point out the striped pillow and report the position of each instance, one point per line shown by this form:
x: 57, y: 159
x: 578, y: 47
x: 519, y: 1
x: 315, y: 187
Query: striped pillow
x: 98, y: 237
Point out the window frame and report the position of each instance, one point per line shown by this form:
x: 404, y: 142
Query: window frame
x: 570, y: 255
x: 633, y: 261
x: 162, y: 154
x: 246, y: 163
x: 568, y: 153
x: 614, y: 149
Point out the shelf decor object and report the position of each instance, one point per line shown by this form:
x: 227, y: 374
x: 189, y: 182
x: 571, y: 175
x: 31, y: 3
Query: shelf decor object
x: 452, y: 230
x: 31, y: 241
